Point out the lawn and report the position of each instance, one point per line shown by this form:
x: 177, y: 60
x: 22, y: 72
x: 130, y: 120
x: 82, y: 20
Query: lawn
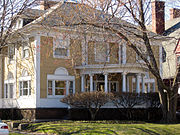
x: 103, y: 128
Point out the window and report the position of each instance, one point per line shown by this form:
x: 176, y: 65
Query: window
x: 59, y: 87
x: 25, y: 84
x: 178, y: 59
x: 61, y: 48
x: 61, y: 51
x: 11, y: 52
x: 101, y: 52
x: 60, y: 83
x: 9, y: 90
x: 163, y: 55
x: 25, y: 88
x: 70, y: 87
x: 25, y: 50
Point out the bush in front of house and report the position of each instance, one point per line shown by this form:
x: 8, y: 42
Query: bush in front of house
x: 93, y: 101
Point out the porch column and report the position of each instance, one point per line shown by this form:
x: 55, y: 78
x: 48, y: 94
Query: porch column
x: 91, y: 82
x: 124, y: 82
x: 127, y: 84
x: 82, y: 83
x: 67, y: 87
x: 106, y: 82
x: 143, y: 85
x: 154, y: 87
x: 138, y: 83
x: 148, y: 88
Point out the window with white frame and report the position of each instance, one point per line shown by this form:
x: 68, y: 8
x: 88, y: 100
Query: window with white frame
x: 25, y: 50
x: 11, y: 52
x: 25, y: 88
x: 9, y: 86
x: 25, y: 84
x: 8, y: 90
x: 61, y: 47
x: 60, y: 83
x: 101, y: 52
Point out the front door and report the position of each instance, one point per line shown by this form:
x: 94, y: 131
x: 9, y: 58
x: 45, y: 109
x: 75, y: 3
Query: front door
x: 100, y: 86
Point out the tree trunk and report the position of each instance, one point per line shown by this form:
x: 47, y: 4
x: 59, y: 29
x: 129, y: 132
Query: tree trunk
x: 169, y: 104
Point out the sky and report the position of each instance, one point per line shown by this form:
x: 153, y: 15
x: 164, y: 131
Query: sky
x: 171, y: 4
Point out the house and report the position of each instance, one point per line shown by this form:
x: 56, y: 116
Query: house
x: 51, y: 59
x: 170, y: 29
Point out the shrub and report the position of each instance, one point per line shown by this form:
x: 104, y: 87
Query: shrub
x: 93, y: 101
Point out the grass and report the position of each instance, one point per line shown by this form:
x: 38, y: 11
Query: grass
x: 103, y: 128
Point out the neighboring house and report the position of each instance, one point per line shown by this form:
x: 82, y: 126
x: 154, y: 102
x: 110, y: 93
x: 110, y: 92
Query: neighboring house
x: 51, y: 60
x: 170, y: 29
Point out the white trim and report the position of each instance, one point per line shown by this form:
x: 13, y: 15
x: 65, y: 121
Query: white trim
x: 25, y: 78
x: 124, y: 53
x: 120, y: 54
x: 59, y: 77
x: 37, y: 69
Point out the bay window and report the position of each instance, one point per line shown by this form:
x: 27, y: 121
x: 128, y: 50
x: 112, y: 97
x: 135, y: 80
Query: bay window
x: 60, y: 87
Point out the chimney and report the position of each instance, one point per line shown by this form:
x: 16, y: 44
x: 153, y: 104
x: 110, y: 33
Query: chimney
x: 174, y: 13
x: 46, y: 4
x: 158, y: 20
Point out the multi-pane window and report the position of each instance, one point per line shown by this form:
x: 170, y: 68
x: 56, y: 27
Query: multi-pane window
x: 9, y: 90
x: 61, y: 48
x: 25, y: 88
x: 58, y: 87
x: 101, y: 52
x: 11, y: 52
x: 25, y: 50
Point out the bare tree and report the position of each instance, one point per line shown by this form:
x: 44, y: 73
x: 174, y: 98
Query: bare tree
x: 10, y: 11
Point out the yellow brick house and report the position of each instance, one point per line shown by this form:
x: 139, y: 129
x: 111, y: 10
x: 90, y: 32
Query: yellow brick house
x: 51, y: 59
